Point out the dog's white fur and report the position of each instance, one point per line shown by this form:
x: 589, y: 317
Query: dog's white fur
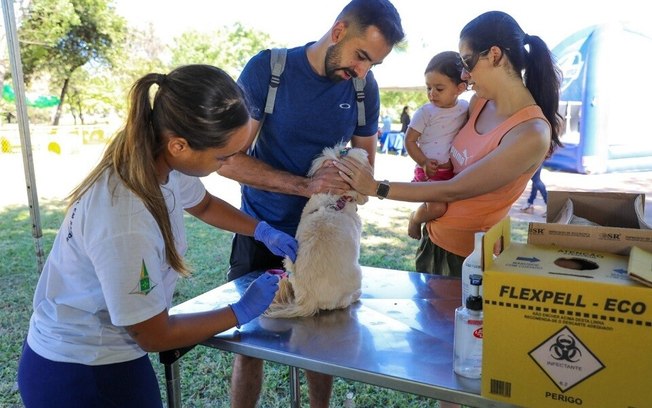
x: 326, y: 274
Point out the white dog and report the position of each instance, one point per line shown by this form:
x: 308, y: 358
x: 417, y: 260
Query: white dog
x: 326, y: 274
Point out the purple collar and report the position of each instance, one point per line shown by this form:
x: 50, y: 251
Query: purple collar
x: 341, y: 202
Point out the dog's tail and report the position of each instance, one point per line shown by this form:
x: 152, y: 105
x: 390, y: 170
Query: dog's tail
x: 286, y: 306
x: 285, y: 293
x: 288, y: 310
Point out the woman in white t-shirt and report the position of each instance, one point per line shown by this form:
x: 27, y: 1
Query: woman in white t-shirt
x: 103, y: 296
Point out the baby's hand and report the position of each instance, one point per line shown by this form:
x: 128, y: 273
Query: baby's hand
x: 430, y: 167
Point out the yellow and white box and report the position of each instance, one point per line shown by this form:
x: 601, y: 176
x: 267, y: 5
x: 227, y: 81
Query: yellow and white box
x: 564, y: 327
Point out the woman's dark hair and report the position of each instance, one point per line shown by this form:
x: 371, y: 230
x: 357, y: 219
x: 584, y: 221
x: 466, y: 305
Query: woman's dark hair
x: 534, y: 64
x: 447, y: 63
x: 199, y: 103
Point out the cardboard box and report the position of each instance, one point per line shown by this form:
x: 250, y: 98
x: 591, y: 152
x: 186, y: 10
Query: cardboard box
x: 640, y: 266
x: 564, y: 327
x: 619, y: 215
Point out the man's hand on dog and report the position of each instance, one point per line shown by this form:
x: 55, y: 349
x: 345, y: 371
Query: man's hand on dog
x: 328, y: 180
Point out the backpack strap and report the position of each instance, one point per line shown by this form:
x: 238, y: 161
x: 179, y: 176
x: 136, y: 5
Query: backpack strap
x: 277, y: 62
x: 358, y: 84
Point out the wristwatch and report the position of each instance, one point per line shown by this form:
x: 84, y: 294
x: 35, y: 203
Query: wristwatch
x: 383, y: 189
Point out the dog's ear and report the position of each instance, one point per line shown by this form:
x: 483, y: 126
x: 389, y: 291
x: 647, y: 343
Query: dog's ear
x: 358, y: 154
x: 316, y: 165
x: 328, y: 154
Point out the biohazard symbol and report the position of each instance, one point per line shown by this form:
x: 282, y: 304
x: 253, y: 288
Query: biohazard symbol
x: 565, y: 349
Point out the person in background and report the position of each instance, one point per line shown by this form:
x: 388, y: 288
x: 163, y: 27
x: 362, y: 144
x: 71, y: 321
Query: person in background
x: 432, y: 129
x: 405, y: 119
x: 385, y: 130
x: 315, y: 108
x: 102, y: 300
x: 513, y: 124
x: 537, y: 187
x: 387, y: 123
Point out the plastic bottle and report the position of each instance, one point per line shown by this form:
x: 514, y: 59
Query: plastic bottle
x: 472, y: 265
x: 349, y: 402
x: 467, y: 343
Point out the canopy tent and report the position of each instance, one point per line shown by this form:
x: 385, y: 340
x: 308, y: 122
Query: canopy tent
x: 9, y: 95
x: 409, y: 78
x: 23, y: 127
x: 604, y: 107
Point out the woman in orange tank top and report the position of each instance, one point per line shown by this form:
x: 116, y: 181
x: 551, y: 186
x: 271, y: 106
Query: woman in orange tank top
x: 513, y: 126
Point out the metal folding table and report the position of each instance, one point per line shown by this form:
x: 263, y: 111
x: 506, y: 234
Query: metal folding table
x: 399, y: 336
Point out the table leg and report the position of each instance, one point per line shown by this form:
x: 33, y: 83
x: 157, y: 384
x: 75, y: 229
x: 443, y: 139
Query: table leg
x: 173, y: 384
x: 295, y: 393
x: 170, y: 360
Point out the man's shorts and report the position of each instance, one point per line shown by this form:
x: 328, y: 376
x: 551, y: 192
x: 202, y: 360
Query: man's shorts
x: 248, y: 255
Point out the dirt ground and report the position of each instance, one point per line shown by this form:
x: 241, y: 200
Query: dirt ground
x: 56, y: 175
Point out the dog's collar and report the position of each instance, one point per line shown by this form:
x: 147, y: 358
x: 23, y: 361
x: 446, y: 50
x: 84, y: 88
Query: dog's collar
x: 341, y: 202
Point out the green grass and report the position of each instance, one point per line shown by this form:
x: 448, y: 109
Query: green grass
x: 205, y: 372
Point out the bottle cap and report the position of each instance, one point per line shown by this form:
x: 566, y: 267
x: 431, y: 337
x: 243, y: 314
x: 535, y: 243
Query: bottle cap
x: 474, y: 301
x: 476, y: 280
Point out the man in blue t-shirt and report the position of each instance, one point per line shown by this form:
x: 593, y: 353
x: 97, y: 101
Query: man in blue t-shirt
x: 315, y: 107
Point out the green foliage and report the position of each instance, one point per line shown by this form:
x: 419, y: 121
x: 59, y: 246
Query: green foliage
x: 393, y: 102
x: 42, y: 28
x: 228, y: 48
x: 85, y: 44
x: 79, y: 32
x: 19, y: 276
x: 143, y: 53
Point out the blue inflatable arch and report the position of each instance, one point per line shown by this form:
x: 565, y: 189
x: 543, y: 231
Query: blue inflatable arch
x: 605, y: 100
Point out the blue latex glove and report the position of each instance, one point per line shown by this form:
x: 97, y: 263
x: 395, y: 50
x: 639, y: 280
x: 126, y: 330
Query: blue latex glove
x: 280, y: 243
x: 256, y: 298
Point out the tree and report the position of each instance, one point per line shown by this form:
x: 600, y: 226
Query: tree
x: 228, y: 48
x: 393, y: 101
x: 90, y: 92
x: 60, y: 36
x: 146, y: 54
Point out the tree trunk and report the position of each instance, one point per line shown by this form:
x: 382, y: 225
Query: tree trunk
x: 81, y: 113
x: 64, y: 89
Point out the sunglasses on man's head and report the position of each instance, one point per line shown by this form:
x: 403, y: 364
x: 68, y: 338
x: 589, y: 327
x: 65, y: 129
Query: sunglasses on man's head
x: 469, y: 62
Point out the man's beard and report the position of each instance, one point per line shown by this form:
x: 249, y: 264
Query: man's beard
x: 332, y: 61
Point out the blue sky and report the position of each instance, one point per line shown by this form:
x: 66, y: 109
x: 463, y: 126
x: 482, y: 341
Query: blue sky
x: 431, y: 26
